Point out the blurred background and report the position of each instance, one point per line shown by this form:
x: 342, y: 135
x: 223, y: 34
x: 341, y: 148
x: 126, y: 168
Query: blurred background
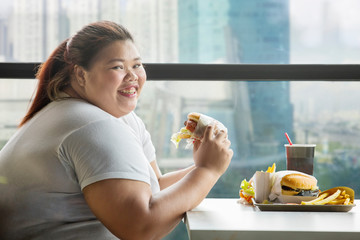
x: 256, y: 113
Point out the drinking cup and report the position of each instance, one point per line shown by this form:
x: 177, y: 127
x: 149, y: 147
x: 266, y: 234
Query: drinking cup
x: 300, y: 157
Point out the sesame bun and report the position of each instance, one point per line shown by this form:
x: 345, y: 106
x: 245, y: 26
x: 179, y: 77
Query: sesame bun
x: 299, y: 181
x: 293, y: 183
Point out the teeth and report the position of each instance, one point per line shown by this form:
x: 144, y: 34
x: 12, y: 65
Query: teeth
x: 129, y: 91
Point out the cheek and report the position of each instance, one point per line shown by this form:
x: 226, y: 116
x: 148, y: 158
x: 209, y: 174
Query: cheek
x: 142, y: 78
x: 141, y: 73
x: 113, y: 79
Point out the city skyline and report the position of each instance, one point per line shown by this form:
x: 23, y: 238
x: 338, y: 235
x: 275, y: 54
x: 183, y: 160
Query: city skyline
x: 172, y: 37
x: 334, y: 25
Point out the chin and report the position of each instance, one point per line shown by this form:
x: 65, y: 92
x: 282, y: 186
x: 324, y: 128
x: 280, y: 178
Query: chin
x: 123, y: 108
x: 124, y: 112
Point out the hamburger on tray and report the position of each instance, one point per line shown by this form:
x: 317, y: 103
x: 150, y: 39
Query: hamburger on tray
x: 194, y: 129
x: 291, y: 187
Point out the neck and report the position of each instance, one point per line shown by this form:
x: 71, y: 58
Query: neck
x: 72, y: 93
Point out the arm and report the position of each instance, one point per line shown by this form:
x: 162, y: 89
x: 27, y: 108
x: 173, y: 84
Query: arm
x: 130, y: 211
x: 170, y: 178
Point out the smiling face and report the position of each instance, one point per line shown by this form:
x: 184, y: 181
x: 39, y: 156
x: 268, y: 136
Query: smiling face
x: 114, y: 80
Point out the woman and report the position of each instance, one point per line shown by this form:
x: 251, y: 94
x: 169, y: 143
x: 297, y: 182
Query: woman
x: 82, y: 165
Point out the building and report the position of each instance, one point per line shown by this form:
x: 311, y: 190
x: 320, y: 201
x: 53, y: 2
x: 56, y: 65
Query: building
x: 264, y: 112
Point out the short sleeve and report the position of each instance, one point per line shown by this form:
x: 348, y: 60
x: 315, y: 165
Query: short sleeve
x: 103, y: 150
x: 139, y: 127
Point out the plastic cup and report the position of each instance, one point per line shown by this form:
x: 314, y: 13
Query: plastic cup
x: 300, y: 157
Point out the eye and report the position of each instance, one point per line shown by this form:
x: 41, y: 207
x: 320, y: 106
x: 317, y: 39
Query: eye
x: 137, y: 65
x: 118, y: 67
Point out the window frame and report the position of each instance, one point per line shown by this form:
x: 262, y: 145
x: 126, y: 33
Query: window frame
x: 218, y: 72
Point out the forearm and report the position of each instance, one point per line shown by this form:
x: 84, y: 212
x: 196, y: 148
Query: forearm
x: 169, y: 205
x: 170, y: 178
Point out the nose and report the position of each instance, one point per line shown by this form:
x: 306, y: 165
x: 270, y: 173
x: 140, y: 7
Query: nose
x: 131, y: 76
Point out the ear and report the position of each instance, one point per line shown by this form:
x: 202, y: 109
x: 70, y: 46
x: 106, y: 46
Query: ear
x: 79, y: 73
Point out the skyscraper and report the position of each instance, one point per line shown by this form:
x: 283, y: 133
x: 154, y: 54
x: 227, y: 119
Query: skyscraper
x: 261, y: 32
x: 242, y: 31
x: 27, y: 30
x: 154, y: 25
x: 202, y: 31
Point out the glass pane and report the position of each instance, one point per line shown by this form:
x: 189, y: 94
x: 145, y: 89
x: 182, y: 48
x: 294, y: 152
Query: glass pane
x: 14, y: 100
x: 193, y: 31
x: 257, y: 114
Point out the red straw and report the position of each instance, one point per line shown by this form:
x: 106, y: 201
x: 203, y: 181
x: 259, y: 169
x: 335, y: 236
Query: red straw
x: 287, y: 136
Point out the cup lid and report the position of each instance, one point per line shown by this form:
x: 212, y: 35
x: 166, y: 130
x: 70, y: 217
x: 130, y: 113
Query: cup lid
x: 300, y: 145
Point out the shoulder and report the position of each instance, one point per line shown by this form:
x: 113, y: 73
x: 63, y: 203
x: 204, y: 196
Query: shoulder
x: 72, y: 113
x: 104, y: 128
x: 101, y: 138
x: 134, y: 122
x: 131, y: 118
x: 80, y: 108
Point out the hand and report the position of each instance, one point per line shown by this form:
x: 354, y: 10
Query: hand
x: 213, y: 151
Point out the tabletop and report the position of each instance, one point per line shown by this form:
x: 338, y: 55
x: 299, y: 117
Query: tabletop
x: 225, y: 218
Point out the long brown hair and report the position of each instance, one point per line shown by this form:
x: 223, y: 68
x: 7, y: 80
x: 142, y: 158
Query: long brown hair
x: 54, y: 74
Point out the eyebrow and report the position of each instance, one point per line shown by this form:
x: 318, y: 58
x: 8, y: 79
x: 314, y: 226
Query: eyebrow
x: 122, y: 60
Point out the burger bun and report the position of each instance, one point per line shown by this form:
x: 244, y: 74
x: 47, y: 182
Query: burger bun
x: 297, y: 181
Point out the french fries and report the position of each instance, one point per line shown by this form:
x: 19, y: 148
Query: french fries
x: 312, y: 202
x: 272, y: 168
x: 333, y: 196
x: 329, y: 198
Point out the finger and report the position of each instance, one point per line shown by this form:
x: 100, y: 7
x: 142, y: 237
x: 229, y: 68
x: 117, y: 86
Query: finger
x: 227, y: 142
x: 221, y: 135
x: 231, y: 153
x: 208, y: 132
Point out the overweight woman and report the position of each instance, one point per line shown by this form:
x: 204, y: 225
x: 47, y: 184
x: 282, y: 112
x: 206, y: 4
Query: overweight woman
x: 82, y: 164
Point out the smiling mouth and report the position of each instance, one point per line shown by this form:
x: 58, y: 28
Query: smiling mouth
x: 128, y: 92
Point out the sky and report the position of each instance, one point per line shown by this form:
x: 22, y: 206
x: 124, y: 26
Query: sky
x: 312, y: 41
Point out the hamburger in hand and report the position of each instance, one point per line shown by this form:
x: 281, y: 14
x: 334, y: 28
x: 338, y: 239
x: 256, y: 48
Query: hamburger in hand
x: 293, y: 183
x: 194, y: 129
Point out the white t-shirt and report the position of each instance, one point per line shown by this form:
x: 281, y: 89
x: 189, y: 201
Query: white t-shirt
x: 68, y: 145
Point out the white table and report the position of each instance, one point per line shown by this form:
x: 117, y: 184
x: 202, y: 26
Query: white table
x: 227, y: 219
